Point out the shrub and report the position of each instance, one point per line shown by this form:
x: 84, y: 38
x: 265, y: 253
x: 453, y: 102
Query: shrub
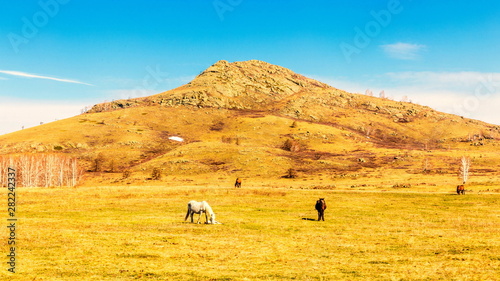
x: 217, y: 126
x: 291, y: 145
x: 126, y: 174
x: 291, y: 174
x: 98, y: 163
x: 235, y: 140
x: 156, y: 174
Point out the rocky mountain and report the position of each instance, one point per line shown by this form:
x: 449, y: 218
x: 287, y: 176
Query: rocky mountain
x: 250, y: 85
x: 257, y: 119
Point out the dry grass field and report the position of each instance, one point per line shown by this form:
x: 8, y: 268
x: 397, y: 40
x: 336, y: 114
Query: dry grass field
x: 139, y: 233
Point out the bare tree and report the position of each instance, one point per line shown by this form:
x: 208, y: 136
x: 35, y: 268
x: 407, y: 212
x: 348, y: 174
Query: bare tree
x: 3, y: 170
x: 42, y: 169
x: 74, y: 172
x: 464, y: 169
x: 426, y: 168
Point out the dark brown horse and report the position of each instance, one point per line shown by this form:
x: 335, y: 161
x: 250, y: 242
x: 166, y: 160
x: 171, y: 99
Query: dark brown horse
x: 461, y: 189
x: 237, y: 183
x: 321, y: 207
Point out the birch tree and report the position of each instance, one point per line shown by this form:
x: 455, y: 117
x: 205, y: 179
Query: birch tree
x: 43, y: 170
x: 464, y: 169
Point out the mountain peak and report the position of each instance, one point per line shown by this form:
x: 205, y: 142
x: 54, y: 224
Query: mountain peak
x: 248, y: 72
x: 252, y: 84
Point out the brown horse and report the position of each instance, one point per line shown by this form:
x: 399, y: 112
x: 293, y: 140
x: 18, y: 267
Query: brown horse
x: 461, y: 189
x: 237, y: 183
x: 321, y: 207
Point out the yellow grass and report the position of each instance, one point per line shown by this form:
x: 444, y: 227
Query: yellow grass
x: 139, y: 233
x: 250, y: 143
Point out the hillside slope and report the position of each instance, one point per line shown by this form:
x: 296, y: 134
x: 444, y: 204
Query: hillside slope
x: 255, y: 119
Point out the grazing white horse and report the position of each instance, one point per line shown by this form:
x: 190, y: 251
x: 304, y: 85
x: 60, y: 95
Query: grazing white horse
x: 195, y: 207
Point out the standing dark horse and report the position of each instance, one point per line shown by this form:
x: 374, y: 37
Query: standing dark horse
x: 461, y: 189
x: 237, y: 183
x: 321, y: 207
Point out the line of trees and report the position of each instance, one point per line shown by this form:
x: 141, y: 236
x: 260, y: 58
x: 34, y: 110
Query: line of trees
x: 41, y: 170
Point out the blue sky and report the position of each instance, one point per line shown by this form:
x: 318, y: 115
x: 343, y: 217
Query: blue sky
x: 59, y: 56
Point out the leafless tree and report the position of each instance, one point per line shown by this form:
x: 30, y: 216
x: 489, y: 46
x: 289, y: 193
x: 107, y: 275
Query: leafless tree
x: 42, y: 169
x: 464, y: 169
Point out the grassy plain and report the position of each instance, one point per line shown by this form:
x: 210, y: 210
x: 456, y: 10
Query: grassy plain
x: 139, y: 233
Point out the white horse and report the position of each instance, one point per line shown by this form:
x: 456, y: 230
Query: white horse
x: 195, y: 207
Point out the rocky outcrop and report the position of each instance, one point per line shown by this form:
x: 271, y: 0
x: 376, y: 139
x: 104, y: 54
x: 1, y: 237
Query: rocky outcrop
x: 250, y: 84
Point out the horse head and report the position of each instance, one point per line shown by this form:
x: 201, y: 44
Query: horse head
x: 212, y: 218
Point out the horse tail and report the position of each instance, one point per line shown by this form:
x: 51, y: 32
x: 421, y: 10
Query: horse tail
x: 188, y: 211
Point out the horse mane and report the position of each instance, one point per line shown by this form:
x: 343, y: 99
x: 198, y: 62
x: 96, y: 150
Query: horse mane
x: 209, y: 211
x: 207, y: 207
x: 320, y: 204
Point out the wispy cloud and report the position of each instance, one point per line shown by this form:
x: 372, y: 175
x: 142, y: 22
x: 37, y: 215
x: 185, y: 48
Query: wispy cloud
x: 29, y: 75
x: 403, y: 51
x: 465, y: 93
x: 16, y: 114
x: 464, y: 80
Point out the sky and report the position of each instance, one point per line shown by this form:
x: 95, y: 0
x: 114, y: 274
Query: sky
x: 59, y: 57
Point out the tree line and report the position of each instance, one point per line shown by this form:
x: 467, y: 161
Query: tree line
x: 41, y: 170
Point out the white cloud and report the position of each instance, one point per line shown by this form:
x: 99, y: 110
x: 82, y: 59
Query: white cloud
x: 403, y: 51
x: 470, y: 94
x: 29, y: 75
x: 16, y: 114
x: 144, y: 89
x: 447, y: 79
x: 122, y: 94
x: 476, y: 106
